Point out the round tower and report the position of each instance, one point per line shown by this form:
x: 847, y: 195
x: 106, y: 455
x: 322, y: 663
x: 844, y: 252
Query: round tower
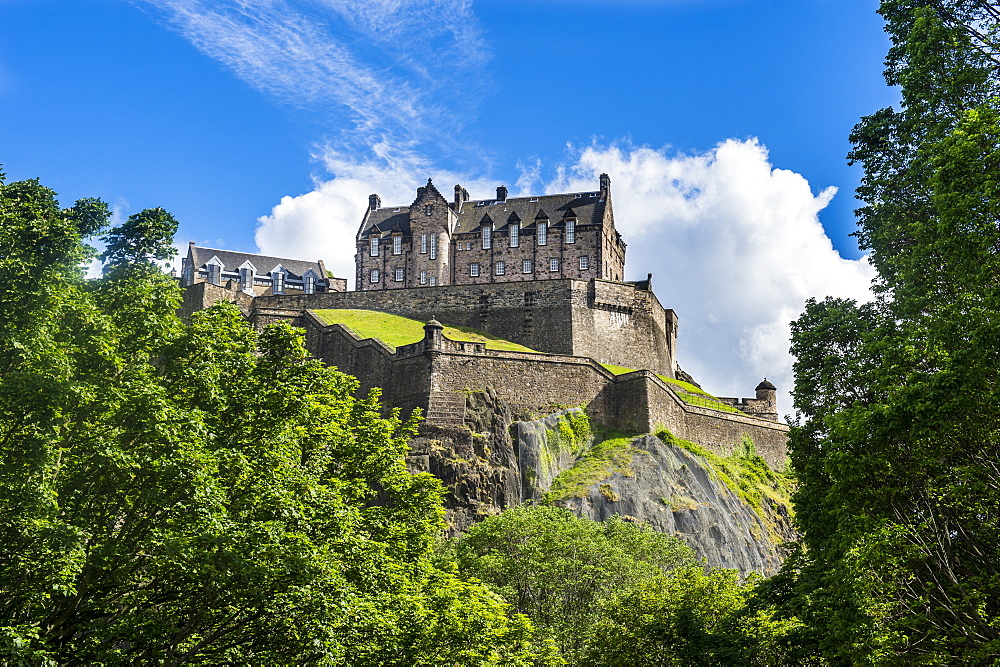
x: 767, y: 392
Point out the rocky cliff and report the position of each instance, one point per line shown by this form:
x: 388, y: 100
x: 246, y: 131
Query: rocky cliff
x: 733, y: 510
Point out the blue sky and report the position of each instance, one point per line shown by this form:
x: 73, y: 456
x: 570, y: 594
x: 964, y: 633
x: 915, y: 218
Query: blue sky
x: 264, y: 125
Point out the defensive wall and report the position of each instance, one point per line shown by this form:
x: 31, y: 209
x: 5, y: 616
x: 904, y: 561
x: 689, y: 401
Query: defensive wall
x: 436, y: 373
x: 610, y: 322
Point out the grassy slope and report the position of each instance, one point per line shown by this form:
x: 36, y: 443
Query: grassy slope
x: 689, y: 393
x: 395, y: 331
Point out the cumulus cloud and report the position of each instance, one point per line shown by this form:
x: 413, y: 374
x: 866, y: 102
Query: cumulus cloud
x: 735, y: 247
x: 323, y: 223
x: 734, y: 244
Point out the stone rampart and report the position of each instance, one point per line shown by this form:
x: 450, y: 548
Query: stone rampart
x: 532, y: 384
x: 610, y: 322
x: 203, y: 295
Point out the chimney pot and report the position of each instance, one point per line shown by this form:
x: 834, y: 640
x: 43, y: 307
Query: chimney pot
x: 374, y: 202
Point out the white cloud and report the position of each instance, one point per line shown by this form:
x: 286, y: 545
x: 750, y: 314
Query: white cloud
x: 735, y: 246
x: 322, y: 224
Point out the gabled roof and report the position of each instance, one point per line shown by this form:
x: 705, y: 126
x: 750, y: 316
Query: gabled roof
x: 587, y: 206
x: 231, y: 260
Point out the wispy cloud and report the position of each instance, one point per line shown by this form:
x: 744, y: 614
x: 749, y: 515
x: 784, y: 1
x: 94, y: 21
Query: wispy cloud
x: 387, y: 70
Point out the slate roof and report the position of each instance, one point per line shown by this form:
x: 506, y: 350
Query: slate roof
x: 587, y: 206
x: 263, y: 263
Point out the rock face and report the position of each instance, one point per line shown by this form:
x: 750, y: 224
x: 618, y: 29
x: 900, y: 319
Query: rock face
x: 676, y: 493
x: 477, y: 462
x: 541, y: 457
x: 486, y: 470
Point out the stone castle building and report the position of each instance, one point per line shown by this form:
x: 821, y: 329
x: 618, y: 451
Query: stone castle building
x: 257, y: 275
x: 434, y: 242
x: 545, y: 272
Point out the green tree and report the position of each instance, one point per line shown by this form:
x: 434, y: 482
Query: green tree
x: 899, y: 400
x: 183, y: 492
x: 693, y: 617
x: 559, y: 569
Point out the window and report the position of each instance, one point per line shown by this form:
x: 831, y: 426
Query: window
x: 584, y: 263
x: 434, y: 246
x: 428, y: 209
x: 543, y: 233
x: 309, y: 284
x: 278, y: 282
x: 215, y: 274
x: 423, y: 244
x: 515, y: 235
x: 373, y: 249
x: 373, y: 276
x: 468, y: 245
x: 399, y: 275
x: 474, y: 269
x: 423, y: 277
x: 397, y: 245
x: 434, y: 281
x: 487, y: 237
x: 501, y: 268
x: 187, y: 275
x: 526, y: 266
x: 246, y: 278
x: 571, y: 231
x: 553, y: 264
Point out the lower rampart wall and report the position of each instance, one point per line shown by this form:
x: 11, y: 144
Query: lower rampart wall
x: 533, y: 384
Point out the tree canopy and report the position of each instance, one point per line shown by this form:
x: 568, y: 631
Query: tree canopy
x: 899, y: 399
x: 195, y: 491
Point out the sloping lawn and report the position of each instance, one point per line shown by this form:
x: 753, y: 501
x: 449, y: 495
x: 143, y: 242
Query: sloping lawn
x: 688, y: 392
x: 395, y: 331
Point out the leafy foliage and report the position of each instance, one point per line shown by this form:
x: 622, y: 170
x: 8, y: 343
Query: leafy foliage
x: 899, y: 400
x: 195, y: 492
x: 559, y: 569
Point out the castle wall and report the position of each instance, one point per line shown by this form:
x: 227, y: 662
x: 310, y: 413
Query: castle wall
x: 614, y: 323
x: 533, y: 384
x: 202, y: 295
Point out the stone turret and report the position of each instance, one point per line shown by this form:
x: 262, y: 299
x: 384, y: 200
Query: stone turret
x: 767, y: 393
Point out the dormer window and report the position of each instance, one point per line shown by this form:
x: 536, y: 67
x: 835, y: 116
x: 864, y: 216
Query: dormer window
x: 309, y: 283
x: 487, y: 238
x: 543, y: 233
x: 214, y: 274
x: 571, y: 231
x: 278, y: 282
x: 397, y: 245
x: 246, y: 278
x: 515, y: 235
x: 373, y: 247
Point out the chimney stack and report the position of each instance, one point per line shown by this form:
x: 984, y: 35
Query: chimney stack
x: 502, y: 193
x: 461, y: 196
x: 374, y: 202
x: 605, y: 186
